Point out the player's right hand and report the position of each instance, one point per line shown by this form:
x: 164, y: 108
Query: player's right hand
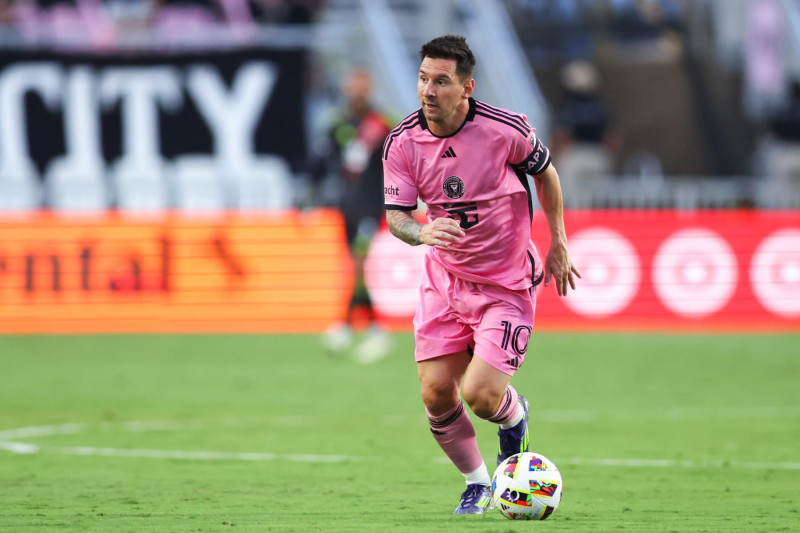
x: 558, y: 265
x: 441, y: 232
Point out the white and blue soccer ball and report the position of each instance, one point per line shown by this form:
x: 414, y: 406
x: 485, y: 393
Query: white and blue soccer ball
x: 526, y: 486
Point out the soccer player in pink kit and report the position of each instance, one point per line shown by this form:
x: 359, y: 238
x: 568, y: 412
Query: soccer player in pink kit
x: 468, y: 162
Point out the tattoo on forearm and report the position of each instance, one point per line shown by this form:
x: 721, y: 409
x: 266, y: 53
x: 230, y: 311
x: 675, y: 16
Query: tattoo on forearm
x: 403, y: 226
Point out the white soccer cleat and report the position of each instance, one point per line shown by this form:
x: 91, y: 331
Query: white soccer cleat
x: 338, y: 337
x: 376, y: 345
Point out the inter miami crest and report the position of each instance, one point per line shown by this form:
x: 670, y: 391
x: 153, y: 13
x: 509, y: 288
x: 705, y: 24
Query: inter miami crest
x: 453, y: 187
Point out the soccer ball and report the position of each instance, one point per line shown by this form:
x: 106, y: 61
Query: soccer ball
x: 526, y: 486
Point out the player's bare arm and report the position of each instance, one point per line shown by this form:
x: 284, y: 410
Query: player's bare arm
x: 557, y: 263
x: 441, y: 232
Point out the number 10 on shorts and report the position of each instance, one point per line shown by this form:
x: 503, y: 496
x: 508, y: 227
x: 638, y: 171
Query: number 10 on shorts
x: 516, y: 338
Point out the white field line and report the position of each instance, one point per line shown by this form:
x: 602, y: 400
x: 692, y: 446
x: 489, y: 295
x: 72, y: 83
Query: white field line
x: 42, y: 431
x: 205, y: 456
x: 572, y: 416
x: 18, y: 447
x: 673, y: 463
x: 314, y: 458
x: 9, y: 441
x: 677, y: 414
x: 663, y: 463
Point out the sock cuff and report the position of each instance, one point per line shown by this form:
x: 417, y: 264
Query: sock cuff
x: 507, y: 408
x: 447, y: 418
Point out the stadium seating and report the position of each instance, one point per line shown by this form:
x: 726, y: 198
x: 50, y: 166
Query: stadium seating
x: 71, y: 188
x: 197, y: 185
x: 19, y: 192
x: 138, y: 190
x: 782, y: 160
x: 265, y: 183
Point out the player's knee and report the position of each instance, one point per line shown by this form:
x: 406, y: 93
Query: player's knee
x: 481, y: 400
x: 439, y: 397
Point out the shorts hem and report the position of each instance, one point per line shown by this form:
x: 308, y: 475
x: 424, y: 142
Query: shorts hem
x: 433, y: 354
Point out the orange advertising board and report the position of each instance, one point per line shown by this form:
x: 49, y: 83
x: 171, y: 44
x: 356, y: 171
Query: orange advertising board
x: 281, y: 272
x: 290, y: 272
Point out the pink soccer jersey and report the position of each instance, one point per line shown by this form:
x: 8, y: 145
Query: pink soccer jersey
x: 476, y: 176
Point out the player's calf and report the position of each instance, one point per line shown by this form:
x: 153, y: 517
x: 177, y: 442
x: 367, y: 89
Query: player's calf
x: 514, y: 439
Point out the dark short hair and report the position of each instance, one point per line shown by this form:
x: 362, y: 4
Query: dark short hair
x: 451, y: 47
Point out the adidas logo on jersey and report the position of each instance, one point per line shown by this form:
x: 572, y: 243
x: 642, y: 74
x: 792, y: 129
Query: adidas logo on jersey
x: 449, y: 152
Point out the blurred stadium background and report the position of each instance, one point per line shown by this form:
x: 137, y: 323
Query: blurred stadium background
x: 157, y: 157
x: 160, y: 173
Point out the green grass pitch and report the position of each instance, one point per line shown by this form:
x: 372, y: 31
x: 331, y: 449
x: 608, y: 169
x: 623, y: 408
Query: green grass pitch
x: 270, y: 433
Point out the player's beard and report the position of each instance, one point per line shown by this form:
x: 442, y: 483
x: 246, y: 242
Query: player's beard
x: 435, y: 115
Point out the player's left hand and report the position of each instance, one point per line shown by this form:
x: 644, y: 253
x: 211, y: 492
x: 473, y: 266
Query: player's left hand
x: 558, y: 265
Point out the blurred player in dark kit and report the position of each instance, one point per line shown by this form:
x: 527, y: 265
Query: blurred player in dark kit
x: 354, y: 157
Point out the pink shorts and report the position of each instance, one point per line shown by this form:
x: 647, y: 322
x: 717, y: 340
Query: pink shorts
x: 491, y: 322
